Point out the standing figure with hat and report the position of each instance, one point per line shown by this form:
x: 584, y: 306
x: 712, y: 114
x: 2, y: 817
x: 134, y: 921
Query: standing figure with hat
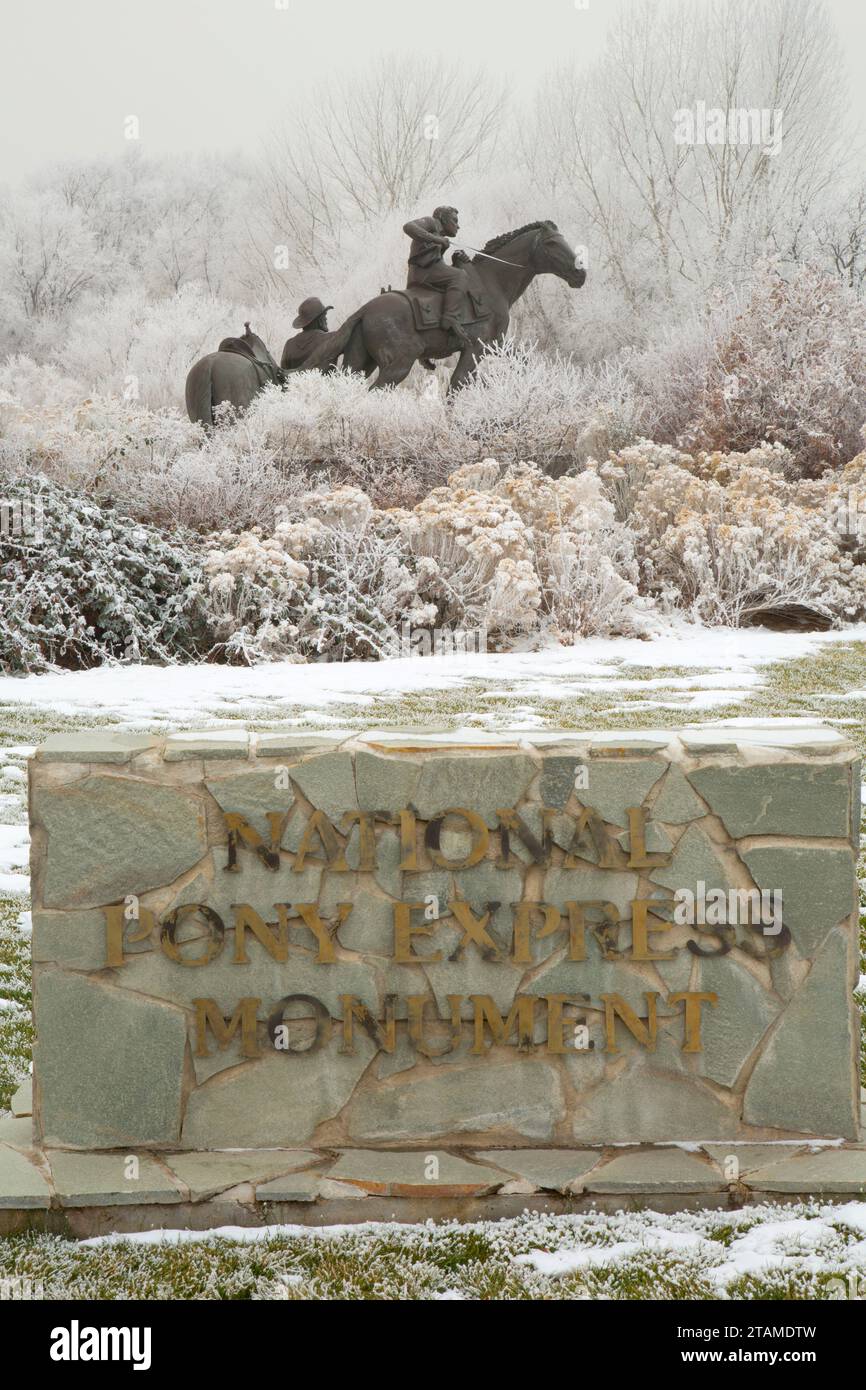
x: 313, y: 322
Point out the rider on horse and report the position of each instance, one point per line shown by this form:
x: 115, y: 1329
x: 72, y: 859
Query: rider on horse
x: 430, y: 239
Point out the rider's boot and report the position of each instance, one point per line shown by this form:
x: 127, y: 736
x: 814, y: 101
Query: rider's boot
x: 451, y: 306
x: 454, y: 327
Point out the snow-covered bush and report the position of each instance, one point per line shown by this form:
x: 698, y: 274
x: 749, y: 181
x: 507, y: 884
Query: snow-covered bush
x: 395, y: 445
x: 524, y: 404
x: 153, y: 464
x: 503, y: 549
x: 332, y: 587
x: 460, y: 537
x: 98, y: 444
x: 785, y: 365
x: 726, y: 536
x: 161, y: 468
x: 587, y: 564
x: 581, y: 556
x: 81, y: 585
x: 627, y: 472
x: 531, y: 559
x: 790, y: 368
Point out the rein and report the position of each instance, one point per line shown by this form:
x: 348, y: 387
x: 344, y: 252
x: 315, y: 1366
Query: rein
x: 487, y: 256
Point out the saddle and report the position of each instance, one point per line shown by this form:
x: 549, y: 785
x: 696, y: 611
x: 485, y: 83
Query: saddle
x: 266, y: 369
x: 238, y: 345
x: 426, y: 306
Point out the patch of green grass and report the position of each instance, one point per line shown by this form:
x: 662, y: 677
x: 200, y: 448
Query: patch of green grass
x: 21, y: 723
x: 16, y: 1027
x: 418, y: 1263
x: 723, y: 1234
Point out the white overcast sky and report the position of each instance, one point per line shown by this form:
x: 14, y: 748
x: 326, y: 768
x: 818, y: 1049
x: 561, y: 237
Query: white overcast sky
x: 215, y: 74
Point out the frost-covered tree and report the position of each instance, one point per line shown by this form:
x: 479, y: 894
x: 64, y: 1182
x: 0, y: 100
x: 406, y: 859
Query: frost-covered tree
x: 670, y: 208
x: 372, y: 142
x: 48, y: 254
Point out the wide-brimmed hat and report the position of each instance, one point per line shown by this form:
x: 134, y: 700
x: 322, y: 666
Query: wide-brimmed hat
x: 310, y: 310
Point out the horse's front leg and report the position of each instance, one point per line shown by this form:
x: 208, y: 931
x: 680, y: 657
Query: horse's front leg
x: 466, y: 367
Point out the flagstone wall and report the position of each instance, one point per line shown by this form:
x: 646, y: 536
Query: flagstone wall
x: 395, y: 939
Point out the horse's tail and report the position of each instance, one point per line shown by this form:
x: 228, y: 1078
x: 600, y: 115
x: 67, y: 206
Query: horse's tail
x: 335, y: 344
x: 199, y: 393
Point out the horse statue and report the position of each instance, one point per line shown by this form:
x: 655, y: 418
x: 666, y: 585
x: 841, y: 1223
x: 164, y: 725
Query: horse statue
x: 234, y: 374
x: 400, y: 327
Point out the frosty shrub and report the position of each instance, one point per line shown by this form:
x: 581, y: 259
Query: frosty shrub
x: 152, y: 464
x: 668, y: 374
x: 627, y: 472
x: 790, y: 368
x: 157, y: 466
x: 587, y: 564
x: 321, y: 431
x: 472, y: 557
x: 331, y: 587
x: 785, y: 365
x: 102, y: 445
x: 726, y: 536
x: 565, y: 535
x: 81, y: 585
x: 523, y: 404
x: 722, y: 538
x: 501, y: 548
x: 531, y: 559
x: 255, y: 593
x: 394, y: 444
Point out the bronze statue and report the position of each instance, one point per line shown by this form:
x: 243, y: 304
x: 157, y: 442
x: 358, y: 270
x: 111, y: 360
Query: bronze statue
x: 313, y: 322
x: 235, y: 373
x: 396, y: 329
x: 462, y: 308
x: 427, y: 268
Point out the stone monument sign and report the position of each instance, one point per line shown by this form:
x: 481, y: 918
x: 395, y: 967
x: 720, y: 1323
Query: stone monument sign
x: 394, y: 939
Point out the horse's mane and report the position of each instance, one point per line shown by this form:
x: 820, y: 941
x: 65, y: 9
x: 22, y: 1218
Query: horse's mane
x: 495, y: 243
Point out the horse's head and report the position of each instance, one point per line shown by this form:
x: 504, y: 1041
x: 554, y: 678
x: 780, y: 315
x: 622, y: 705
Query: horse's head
x: 552, y: 255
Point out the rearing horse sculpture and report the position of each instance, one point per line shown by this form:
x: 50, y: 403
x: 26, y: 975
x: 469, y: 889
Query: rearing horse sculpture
x: 384, y: 332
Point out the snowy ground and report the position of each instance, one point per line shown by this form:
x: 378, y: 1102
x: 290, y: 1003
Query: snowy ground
x: 716, y: 666
x: 689, y: 676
